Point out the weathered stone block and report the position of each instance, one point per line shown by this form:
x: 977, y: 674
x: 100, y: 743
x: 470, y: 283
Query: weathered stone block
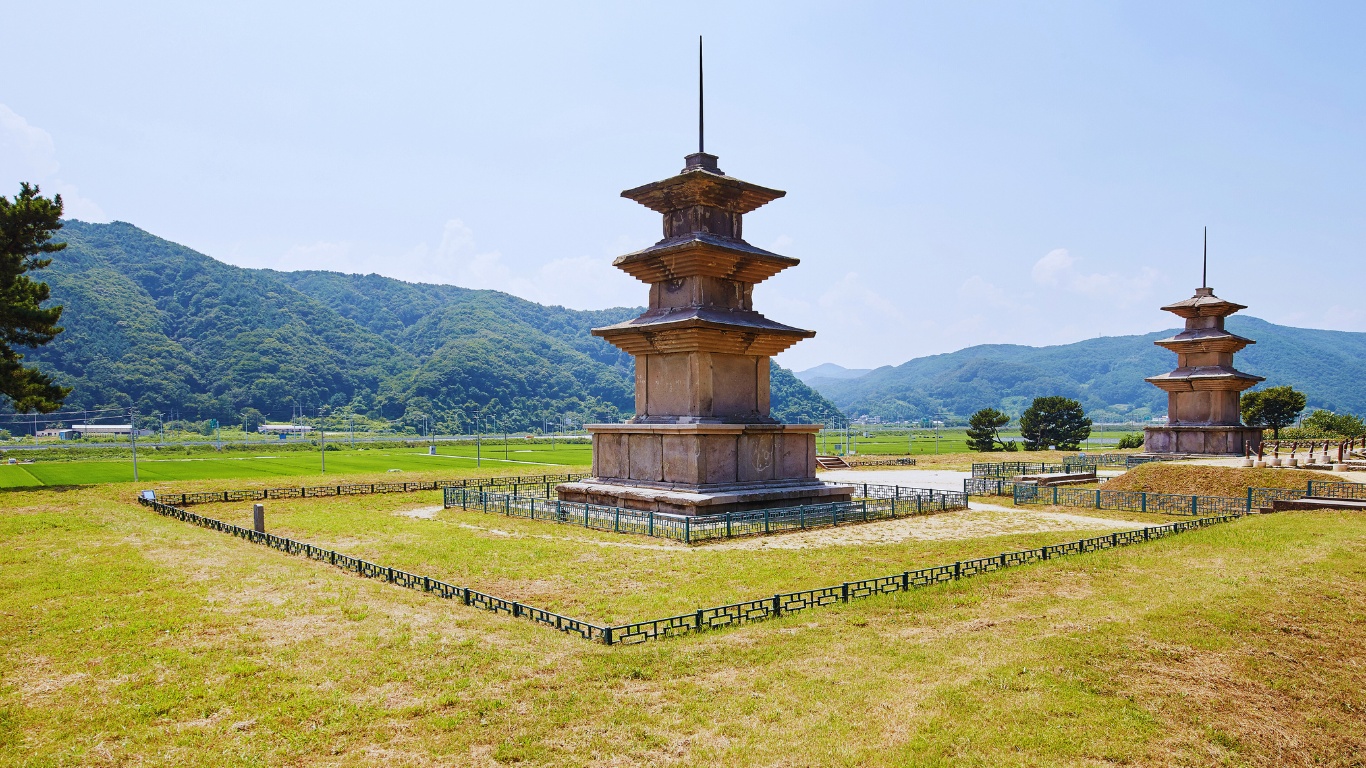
x: 645, y: 454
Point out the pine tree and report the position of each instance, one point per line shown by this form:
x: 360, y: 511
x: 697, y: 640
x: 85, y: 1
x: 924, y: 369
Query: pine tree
x: 26, y: 226
x: 1054, y: 421
x: 983, y: 430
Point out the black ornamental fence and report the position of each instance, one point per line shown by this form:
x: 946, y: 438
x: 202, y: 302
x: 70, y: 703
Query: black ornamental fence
x: 514, y: 484
x: 1079, y: 462
x: 702, y: 619
x: 871, y: 502
x: 1179, y: 504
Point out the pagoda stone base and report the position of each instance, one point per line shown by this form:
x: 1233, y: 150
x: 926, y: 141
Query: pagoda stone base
x: 714, y: 502
x: 703, y: 468
x: 1201, y: 440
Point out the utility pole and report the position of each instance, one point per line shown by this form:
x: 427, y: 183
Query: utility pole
x: 322, y: 436
x: 132, y: 433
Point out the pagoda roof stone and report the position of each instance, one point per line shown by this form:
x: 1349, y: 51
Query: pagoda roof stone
x: 703, y: 253
x: 1203, y: 304
x: 702, y: 186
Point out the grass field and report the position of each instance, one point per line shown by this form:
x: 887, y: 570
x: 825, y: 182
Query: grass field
x: 920, y: 442
x: 155, y: 466
x: 132, y: 638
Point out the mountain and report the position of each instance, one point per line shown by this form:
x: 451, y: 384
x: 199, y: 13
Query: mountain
x: 156, y: 323
x: 1105, y: 374
x: 830, y: 371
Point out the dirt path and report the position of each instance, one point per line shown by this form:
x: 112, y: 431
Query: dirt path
x: 981, y: 521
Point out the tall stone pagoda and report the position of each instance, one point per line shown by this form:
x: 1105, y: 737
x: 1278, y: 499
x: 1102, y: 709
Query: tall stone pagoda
x: 1203, y: 393
x: 702, y: 441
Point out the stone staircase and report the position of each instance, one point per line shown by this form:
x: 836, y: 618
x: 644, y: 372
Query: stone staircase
x: 832, y: 462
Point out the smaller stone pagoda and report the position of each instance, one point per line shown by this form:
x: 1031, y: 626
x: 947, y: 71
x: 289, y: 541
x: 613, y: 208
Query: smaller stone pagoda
x: 1203, y: 393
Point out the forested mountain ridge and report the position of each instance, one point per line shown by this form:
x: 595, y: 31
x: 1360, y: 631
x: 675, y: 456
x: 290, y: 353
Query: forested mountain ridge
x: 153, y: 322
x: 1105, y: 374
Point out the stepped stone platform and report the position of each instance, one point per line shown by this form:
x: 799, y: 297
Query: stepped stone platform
x: 1315, y: 502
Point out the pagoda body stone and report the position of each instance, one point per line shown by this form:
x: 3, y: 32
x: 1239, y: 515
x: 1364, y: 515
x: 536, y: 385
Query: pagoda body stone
x: 702, y: 440
x: 1204, y: 392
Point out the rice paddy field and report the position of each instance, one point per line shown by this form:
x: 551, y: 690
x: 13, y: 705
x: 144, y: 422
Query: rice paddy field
x: 131, y: 638
x: 902, y: 441
x: 68, y: 468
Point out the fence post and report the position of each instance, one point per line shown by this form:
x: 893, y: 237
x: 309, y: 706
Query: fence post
x: 1143, y: 501
x: 1249, y: 496
x: 697, y: 619
x: 607, y: 634
x: 801, y: 516
x: 777, y: 606
x: 957, y: 569
x: 728, y: 525
x: 616, y: 520
x: 687, y: 530
x: 767, y: 528
x: 1193, y: 507
x: 1097, y: 498
x: 865, y: 508
x: 844, y: 592
x: 1055, y: 495
x: 905, y: 581
x: 652, y: 522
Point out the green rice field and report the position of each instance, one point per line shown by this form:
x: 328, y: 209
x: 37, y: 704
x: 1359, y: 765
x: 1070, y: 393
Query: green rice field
x: 169, y: 465
x: 917, y: 442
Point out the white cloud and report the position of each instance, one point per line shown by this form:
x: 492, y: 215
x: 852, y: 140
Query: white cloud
x: 1049, y: 269
x: 1057, y: 269
x: 580, y: 282
x: 978, y: 290
x: 28, y: 153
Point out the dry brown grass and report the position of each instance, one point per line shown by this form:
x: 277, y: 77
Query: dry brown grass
x: 1168, y: 477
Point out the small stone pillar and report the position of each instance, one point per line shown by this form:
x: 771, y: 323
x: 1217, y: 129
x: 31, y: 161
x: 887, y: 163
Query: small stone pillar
x: 258, y: 518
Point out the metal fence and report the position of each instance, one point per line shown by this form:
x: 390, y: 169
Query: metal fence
x: 1081, y: 461
x: 1133, y: 501
x: 1336, y: 490
x: 878, y: 502
x: 989, y: 486
x: 515, y: 482
x: 369, y: 570
x: 703, y: 618
x: 1165, y: 503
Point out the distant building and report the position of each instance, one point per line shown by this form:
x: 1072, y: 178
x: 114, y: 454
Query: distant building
x: 284, y: 429
x: 86, y: 430
x: 60, y: 434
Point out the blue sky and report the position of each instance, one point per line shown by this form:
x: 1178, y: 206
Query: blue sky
x: 957, y: 173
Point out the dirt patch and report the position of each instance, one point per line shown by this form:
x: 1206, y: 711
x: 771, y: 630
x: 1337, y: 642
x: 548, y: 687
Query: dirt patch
x: 421, y: 513
x: 981, y: 521
x: 1205, y: 480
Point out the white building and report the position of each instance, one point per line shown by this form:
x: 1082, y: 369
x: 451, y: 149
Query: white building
x: 284, y: 429
x: 86, y: 430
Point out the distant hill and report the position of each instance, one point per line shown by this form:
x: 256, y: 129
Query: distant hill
x: 830, y: 371
x: 1105, y: 374
x: 156, y: 323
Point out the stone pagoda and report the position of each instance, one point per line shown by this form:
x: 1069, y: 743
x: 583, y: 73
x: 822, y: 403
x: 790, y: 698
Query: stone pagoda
x: 1203, y: 393
x: 702, y: 441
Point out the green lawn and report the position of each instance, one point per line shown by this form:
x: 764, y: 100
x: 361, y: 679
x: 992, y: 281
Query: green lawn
x: 171, y: 465
x: 920, y: 442
x: 129, y: 638
x: 612, y: 578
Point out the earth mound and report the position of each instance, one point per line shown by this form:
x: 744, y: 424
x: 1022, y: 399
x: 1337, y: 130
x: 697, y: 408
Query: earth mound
x: 1165, y: 477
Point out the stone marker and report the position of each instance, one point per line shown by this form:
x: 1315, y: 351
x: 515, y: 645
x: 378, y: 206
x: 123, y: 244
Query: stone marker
x: 258, y: 518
